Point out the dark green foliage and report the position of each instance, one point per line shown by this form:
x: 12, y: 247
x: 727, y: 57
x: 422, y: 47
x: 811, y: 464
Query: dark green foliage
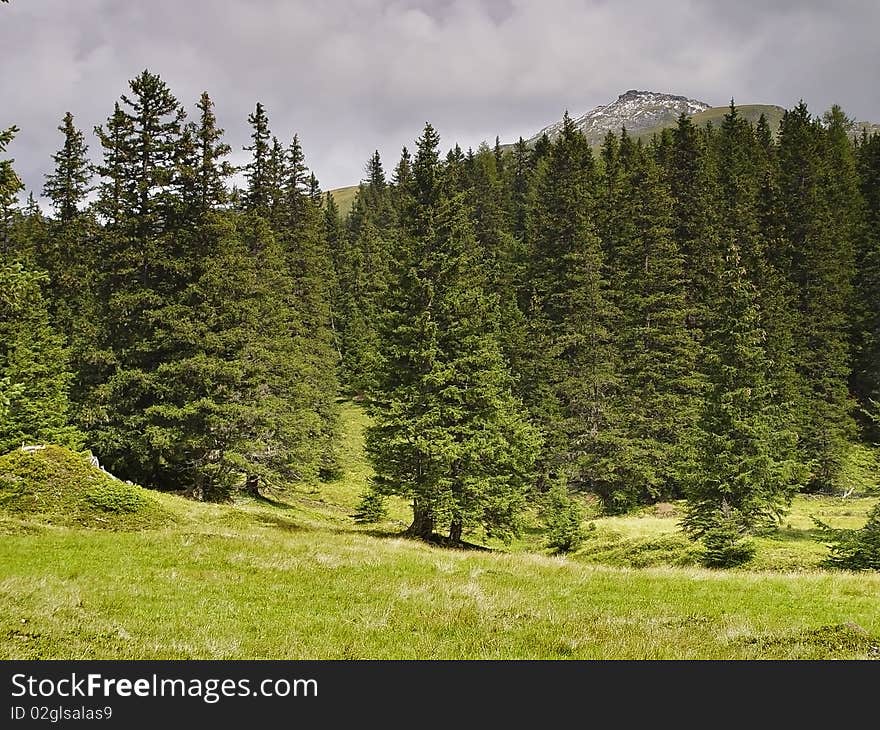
x: 69, y: 184
x: 371, y: 509
x: 659, y: 383
x: 819, y: 199
x: 692, y: 317
x: 858, y: 549
x: 219, y: 366
x: 9, y: 187
x: 563, y: 517
x: 866, y: 361
x: 259, y: 170
x: 211, y: 170
x: 743, y: 467
x: 570, y: 372
x: 34, y: 372
x: 448, y: 433
x: 726, y: 541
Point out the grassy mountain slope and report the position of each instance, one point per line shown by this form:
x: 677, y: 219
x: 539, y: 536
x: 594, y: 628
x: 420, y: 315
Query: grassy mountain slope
x: 344, y: 198
x: 295, y: 577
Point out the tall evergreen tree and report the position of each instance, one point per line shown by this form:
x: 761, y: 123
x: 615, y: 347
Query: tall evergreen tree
x: 69, y: 184
x: 141, y: 273
x: 817, y: 173
x: 257, y: 171
x: 572, y: 374
x: 10, y: 184
x: 660, y: 385
x: 866, y: 370
x: 448, y: 432
x: 740, y: 481
x: 213, y: 169
x: 34, y: 372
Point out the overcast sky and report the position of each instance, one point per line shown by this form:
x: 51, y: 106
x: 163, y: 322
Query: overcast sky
x: 351, y: 76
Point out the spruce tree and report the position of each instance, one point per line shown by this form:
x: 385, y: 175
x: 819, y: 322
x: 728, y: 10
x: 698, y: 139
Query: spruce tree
x: 34, y: 371
x: 660, y: 385
x: 10, y: 184
x: 742, y: 479
x: 448, y: 433
x: 257, y: 171
x: 213, y: 170
x: 866, y: 366
x: 571, y: 370
x: 692, y: 177
x: 69, y: 184
x: 817, y: 177
x: 140, y: 272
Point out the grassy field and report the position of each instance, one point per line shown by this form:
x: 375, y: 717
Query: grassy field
x: 295, y: 577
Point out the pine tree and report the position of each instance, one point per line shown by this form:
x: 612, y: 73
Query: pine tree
x: 571, y: 375
x: 740, y: 481
x: 817, y: 177
x: 866, y: 366
x: 692, y: 177
x: 34, y: 373
x: 213, y: 170
x: 140, y: 272
x: 448, y: 432
x: 10, y: 184
x: 117, y: 156
x: 658, y: 353
x: 257, y: 171
x: 68, y: 186
x: 520, y: 188
x: 777, y: 299
x: 302, y: 237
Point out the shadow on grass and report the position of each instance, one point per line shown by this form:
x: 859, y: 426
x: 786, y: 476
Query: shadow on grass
x: 268, y: 501
x: 280, y: 522
x: 790, y: 534
x: 436, y: 540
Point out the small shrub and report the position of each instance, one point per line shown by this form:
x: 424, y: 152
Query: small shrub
x: 858, y: 549
x: 563, y: 518
x: 370, y: 509
x: 726, y: 543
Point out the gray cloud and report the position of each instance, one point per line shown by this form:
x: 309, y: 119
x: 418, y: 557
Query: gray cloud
x: 362, y: 74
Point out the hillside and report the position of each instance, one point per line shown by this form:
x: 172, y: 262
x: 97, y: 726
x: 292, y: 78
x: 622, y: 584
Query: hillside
x: 294, y: 577
x: 344, y: 198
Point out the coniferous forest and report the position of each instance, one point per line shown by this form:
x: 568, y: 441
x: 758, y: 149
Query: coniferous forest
x: 695, y: 317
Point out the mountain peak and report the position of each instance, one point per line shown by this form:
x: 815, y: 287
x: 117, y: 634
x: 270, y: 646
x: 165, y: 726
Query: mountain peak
x: 639, y: 111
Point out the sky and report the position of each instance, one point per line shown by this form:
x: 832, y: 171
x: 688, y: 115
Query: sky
x: 351, y: 76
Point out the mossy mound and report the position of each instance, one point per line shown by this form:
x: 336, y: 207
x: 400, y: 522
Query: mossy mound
x: 57, y: 486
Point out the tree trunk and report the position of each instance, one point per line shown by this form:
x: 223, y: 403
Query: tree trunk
x: 252, y: 485
x: 423, y: 521
x: 455, y: 531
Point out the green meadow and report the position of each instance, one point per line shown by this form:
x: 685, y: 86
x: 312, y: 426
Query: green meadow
x: 89, y: 569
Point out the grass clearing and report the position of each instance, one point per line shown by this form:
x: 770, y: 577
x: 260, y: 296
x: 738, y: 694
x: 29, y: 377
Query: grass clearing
x: 294, y: 577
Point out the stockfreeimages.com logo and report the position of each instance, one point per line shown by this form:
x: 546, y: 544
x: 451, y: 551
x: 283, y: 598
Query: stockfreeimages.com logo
x: 209, y: 690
